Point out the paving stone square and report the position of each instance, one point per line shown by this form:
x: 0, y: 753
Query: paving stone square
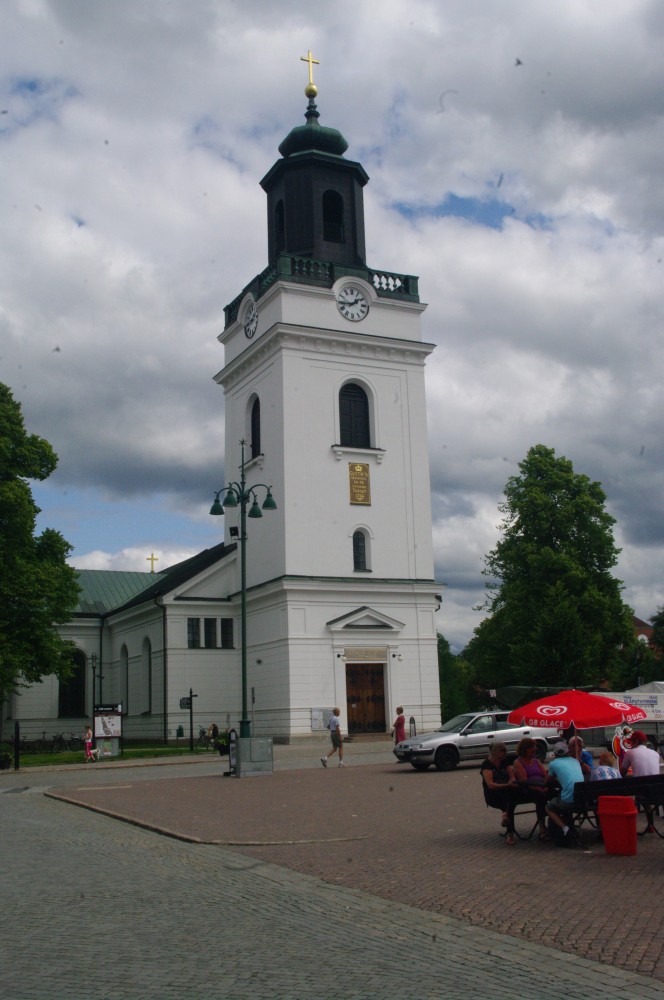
x: 368, y: 881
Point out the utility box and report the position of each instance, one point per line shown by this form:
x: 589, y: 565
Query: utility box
x: 255, y: 756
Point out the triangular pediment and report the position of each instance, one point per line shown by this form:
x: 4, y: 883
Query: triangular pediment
x: 214, y: 582
x: 209, y: 575
x: 365, y: 618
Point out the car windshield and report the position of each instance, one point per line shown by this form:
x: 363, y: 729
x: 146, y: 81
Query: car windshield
x: 456, y: 724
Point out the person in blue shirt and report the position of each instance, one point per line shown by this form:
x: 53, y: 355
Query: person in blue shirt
x: 566, y: 770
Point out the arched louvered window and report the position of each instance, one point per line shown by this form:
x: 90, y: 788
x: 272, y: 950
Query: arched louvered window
x: 354, y: 417
x: 256, y: 428
x: 333, y: 217
x: 279, y: 228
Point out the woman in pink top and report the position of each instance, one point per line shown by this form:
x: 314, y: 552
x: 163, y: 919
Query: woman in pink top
x: 532, y: 776
x: 399, y: 726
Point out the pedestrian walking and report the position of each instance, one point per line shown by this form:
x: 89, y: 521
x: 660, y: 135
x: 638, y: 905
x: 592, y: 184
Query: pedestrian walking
x: 399, y: 726
x: 334, y: 725
x: 87, y: 739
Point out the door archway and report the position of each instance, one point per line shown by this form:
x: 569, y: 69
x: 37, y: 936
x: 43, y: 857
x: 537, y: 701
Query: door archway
x: 365, y: 697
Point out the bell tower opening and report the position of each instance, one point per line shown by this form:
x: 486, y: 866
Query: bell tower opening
x: 333, y: 217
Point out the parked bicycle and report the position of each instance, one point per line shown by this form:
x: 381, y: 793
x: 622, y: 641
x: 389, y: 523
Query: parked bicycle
x: 61, y: 743
x: 205, y: 741
x: 24, y: 745
x: 75, y: 742
x: 45, y: 745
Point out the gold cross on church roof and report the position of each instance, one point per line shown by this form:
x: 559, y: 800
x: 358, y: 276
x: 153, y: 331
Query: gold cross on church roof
x: 310, y: 90
x: 152, y: 559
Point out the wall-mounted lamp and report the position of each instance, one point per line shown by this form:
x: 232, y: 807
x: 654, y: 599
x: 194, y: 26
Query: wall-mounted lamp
x: 397, y: 656
x: 342, y: 657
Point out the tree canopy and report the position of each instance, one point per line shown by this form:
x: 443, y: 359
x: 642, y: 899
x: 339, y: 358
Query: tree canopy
x: 556, y: 615
x: 658, y: 629
x: 38, y: 590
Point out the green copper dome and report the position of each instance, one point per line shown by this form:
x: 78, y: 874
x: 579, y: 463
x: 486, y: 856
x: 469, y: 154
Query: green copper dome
x: 313, y: 136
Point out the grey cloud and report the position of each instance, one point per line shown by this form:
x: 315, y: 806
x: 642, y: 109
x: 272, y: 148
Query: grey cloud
x: 545, y: 334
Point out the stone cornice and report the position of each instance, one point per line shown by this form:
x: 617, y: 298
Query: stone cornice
x: 322, y: 342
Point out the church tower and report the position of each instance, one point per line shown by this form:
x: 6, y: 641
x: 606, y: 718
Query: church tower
x: 324, y: 384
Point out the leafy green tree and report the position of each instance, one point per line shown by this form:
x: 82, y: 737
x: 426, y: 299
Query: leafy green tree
x: 658, y: 629
x: 638, y: 665
x: 38, y: 590
x: 459, y: 690
x: 556, y: 615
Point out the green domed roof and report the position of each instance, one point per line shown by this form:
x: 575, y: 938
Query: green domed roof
x: 313, y: 136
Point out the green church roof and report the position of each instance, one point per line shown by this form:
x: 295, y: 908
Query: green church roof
x: 313, y: 136
x: 102, y: 590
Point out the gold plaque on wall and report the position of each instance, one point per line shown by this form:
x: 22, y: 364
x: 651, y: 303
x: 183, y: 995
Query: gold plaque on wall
x: 358, y: 478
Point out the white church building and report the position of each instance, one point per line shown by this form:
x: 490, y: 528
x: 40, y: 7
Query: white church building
x: 323, y: 383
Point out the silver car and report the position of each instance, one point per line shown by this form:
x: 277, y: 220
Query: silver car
x: 469, y: 737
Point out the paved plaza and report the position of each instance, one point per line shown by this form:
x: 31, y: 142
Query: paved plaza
x: 370, y: 881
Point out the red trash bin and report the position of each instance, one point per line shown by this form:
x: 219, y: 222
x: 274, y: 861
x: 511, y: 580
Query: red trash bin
x: 617, y: 817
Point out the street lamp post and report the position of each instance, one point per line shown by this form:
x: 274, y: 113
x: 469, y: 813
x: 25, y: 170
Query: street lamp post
x: 239, y: 494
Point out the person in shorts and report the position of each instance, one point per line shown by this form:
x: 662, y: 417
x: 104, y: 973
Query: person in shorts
x: 566, y: 770
x: 334, y: 725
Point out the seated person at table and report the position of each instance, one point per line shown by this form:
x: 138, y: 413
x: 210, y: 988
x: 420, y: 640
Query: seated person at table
x: 606, y: 767
x: 500, y: 789
x: 584, y: 757
x: 566, y: 770
x: 643, y: 762
x: 532, y: 777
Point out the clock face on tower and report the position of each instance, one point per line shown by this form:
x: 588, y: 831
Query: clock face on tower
x: 352, y: 303
x: 251, y: 320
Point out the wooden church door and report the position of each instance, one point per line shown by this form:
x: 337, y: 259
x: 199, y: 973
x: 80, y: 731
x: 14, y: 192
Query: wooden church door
x: 365, y: 696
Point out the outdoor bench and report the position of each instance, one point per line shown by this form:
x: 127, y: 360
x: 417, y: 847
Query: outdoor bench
x: 647, y: 791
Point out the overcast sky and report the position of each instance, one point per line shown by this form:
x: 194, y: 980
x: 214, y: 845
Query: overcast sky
x: 516, y: 156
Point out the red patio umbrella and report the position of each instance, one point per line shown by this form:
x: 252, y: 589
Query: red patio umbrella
x: 575, y: 708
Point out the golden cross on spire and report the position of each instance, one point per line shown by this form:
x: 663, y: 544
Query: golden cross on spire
x: 152, y: 559
x: 310, y: 90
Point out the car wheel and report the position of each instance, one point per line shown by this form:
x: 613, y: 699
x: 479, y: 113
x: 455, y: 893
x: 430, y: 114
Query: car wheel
x: 446, y: 759
x: 541, y: 752
x: 419, y: 765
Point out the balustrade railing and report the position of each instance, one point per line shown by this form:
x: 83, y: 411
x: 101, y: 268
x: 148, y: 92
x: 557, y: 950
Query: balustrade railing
x: 323, y: 273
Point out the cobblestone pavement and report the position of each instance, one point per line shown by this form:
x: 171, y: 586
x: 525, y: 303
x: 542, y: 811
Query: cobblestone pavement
x: 365, y: 882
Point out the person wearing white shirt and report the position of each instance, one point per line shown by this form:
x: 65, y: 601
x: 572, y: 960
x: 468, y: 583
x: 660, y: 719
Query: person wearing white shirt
x: 644, y: 762
x: 334, y: 725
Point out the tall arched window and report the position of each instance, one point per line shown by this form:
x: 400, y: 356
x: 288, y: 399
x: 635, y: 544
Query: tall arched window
x: 145, y: 680
x: 354, y: 417
x: 279, y: 228
x: 256, y: 428
x: 333, y: 217
x: 71, y: 696
x: 360, y: 563
x: 124, y: 679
